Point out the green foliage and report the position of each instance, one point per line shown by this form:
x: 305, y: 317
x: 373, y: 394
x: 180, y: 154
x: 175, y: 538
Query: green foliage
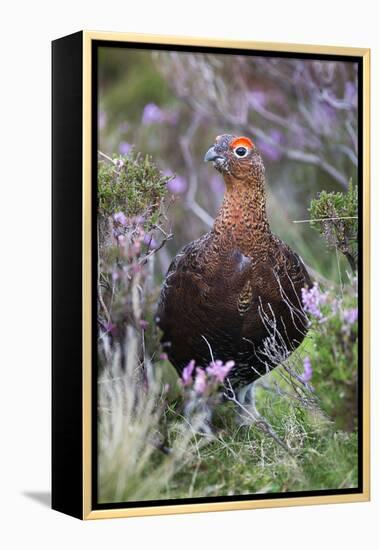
x: 334, y: 215
x: 237, y: 460
x: 131, y: 184
x: 243, y: 460
x: 131, y: 227
x: 332, y: 345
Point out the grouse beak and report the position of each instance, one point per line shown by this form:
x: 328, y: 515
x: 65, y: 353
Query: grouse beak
x: 211, y: 155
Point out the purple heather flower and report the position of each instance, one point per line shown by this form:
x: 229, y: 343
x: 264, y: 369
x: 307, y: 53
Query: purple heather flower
x: 150, y: 241
x: 163, y: 357
x: 306, y: 375
x: 313, y: 299
x: 219, y: 370
x: 200, y: 384
x: 120, y: 217
x: 143, y: 324
x: 177, y: 185
x: 125, y: 147
x: 351, y: 315
x: 187, y: 373
x: 152, y: 114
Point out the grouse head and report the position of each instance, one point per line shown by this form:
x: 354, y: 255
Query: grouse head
x: 235, y: 157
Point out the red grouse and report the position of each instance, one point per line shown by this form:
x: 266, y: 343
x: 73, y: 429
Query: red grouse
x: 235, y: 292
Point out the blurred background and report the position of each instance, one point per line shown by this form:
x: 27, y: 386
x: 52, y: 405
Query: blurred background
x: 302, y: 115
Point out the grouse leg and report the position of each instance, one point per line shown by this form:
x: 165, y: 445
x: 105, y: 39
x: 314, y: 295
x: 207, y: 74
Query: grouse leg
x: 246, y: 414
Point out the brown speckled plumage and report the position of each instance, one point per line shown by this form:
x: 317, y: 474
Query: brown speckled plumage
x: 237, y: 289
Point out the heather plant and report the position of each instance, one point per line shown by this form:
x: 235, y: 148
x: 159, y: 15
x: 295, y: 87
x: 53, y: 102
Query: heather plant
x: 132, y: 227
x: 333, y: 350
x: 203, y: 388
x: 335, y: 216
x: 333, y: 313
x: 131, y: 182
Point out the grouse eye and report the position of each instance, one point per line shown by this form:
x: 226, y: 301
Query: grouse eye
x: 241, y: 152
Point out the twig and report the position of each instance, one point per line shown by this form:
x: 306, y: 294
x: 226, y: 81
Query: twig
x: 326, y: 219
x: 101, y: 154
x: 257, y: 418
x: 145, y: 259
x: 210, y: 347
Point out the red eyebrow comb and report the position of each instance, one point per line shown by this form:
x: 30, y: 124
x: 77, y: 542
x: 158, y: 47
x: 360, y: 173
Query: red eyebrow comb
x: 242, y: 141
